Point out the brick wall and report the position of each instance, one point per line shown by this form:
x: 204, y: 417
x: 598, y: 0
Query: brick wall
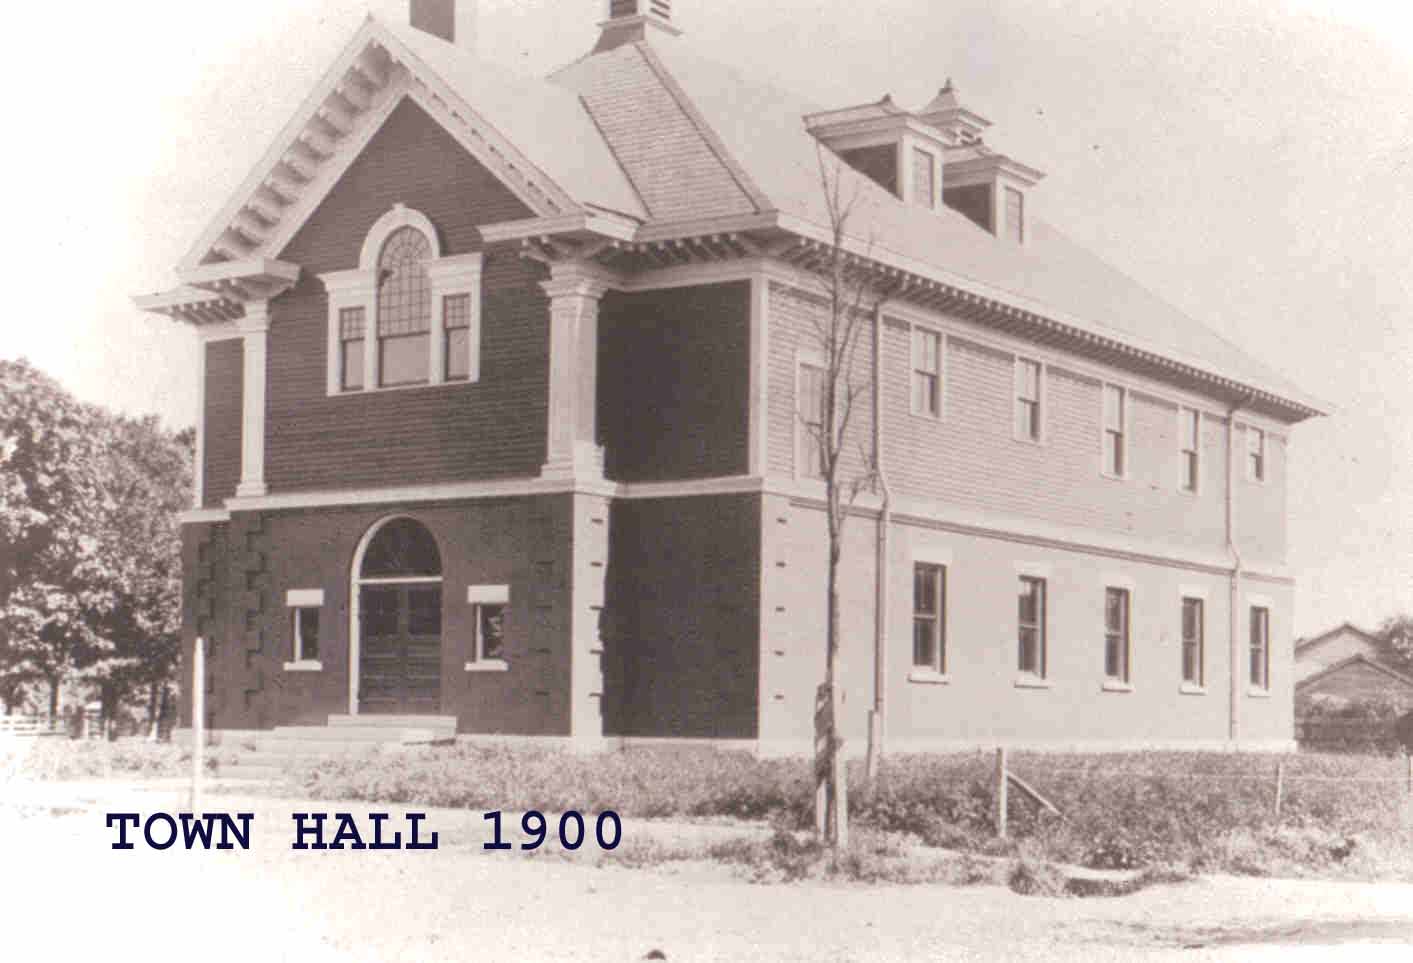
x: 674, y: 379
x: 252, y: 561
x: 681, y: 643
x: 224, y: 394
x: 493, y: 428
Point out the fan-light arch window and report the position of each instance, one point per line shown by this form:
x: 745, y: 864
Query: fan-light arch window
x: 407, y: 315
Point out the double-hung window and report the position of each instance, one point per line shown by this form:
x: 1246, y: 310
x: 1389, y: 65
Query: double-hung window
x: 486, y: 646
x: 304, y: 606
x: 1028, y: 382
x: 1189, y: 435
x: 810, y: 431
x: 1116, y: 638
x: 927, y: 372
x: 1192, y: 642
x: 1260, y: 647
x: 930, y: 617
x: 1255, y: 453
x: 1030, y: 624
x: 1115, y: 428
x: 407, y: 315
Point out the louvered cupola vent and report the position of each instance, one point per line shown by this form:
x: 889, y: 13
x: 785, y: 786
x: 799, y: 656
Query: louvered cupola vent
x: 632, y: 20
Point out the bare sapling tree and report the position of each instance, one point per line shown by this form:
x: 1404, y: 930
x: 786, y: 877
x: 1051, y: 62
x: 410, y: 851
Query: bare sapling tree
x: 833, y: 395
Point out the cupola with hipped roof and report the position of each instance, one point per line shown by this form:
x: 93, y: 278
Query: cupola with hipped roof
x: 632, y: 20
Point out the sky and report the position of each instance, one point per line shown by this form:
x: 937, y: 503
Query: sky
x: 1251, y: 161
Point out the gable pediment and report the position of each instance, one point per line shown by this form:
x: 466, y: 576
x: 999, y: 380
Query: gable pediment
x: 376, y: 72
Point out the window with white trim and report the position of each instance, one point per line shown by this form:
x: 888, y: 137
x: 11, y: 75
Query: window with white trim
x: 927, y: 372
x: 1193, y: 632
x: 304, y: 606
x: 305, y: 630
x: 407, y: 315
x: 1028, y: 380
x: 1116, y: 638
x: 1015, y: 215
x: 1030, y: 622
x: 924, y: 178
x: 486, y: 647
x: 1189, y: 438
x: 1260, y: 647
x: 930, y: 617
x: 1255, y: 453
x: 810, y: 429
x: 1115, y: 429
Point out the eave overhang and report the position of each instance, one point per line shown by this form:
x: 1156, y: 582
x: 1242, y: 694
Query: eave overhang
x: 984, y: 169
x: 807, y: 245
x: 216, y: 293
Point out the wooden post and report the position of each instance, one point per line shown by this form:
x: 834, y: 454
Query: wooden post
x: 198, y: 721
x: 1002, y: 784
x: 822, y: 707
x: 1280, y: 787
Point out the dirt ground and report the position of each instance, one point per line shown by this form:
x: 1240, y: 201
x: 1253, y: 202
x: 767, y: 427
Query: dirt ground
x: 64, y: 890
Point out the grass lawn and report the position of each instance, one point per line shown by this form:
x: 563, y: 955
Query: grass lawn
x: 1342, y: 816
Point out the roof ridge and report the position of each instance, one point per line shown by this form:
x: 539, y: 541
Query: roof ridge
x: 709, y: 136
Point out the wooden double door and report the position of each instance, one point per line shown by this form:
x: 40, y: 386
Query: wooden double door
x: 400, y: 648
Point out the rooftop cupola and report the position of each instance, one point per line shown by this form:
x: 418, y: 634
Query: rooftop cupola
x: 632, y: 20
x: 889, y: 145
x: 957, y: 123
x: 452, y: 21
x: 987, y: 186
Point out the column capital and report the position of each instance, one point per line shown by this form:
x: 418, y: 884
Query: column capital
x: 257, y: 318
x: 577, y: 279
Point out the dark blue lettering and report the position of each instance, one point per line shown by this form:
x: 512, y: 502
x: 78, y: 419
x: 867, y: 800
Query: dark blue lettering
x: 122, y: 820
x: 301, y: 830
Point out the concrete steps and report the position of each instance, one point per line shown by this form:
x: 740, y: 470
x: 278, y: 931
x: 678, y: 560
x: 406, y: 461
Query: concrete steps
x: 268, y: 755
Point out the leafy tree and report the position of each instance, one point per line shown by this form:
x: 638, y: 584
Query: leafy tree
x: 1396, y: 634
x: 51, y: 566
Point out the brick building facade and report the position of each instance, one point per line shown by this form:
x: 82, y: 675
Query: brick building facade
x: 502, y: 416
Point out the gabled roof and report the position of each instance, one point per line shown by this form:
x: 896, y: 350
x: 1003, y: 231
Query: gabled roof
x: 1354, y: 660
x: 533, y: 135
x: 1344, y: 627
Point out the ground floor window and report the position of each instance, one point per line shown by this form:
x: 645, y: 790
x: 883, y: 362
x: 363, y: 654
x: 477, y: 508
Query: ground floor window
x: 1116, y: 642
x: 306, y: 634
x: 1260, y: 647
x: 1031, y: 626
x: 1192, y: 633
x: 929, y: 617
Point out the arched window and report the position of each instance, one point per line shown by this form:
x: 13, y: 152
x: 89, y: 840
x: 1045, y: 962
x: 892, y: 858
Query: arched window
x: 404, y: 308
x: 409, y: 314
x: 402, y: 548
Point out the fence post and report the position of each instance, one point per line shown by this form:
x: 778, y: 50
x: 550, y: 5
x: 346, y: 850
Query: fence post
x: 198, y: 721
x: 1001, y: 792
x: 1280, y: 788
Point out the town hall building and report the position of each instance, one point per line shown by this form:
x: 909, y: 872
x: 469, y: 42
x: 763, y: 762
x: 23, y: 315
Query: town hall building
x: 506, y: 417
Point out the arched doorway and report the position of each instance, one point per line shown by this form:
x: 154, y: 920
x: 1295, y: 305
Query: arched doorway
x: 396, y: 631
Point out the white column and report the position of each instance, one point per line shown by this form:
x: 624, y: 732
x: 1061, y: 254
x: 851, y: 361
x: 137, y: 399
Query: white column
x: 575, y: 290
x: 758, y: 451
x: 254, y: 329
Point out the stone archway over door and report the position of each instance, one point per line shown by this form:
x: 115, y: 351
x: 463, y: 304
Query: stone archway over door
x: 398, y: 620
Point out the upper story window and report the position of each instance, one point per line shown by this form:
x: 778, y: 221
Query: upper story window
x: 1028, y: 399
x: 407, y: 315
x: 1115, y: 429
x: 809, y: 449
x: 1255, y: 453
x: 927, y: 372
x: 1189, y: 435
x: 404, y: 309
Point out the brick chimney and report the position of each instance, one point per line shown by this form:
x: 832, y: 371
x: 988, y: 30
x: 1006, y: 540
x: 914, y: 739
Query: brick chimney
x: 632, y: 20
x: 452, y: 21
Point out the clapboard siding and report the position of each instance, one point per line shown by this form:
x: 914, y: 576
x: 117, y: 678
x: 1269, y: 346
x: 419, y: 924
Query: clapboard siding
x: 674, y: 382
x: 224, y: 398
x: 494, y: 428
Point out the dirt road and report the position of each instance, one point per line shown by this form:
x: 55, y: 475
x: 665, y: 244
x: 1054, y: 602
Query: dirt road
x: 64, y: 889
